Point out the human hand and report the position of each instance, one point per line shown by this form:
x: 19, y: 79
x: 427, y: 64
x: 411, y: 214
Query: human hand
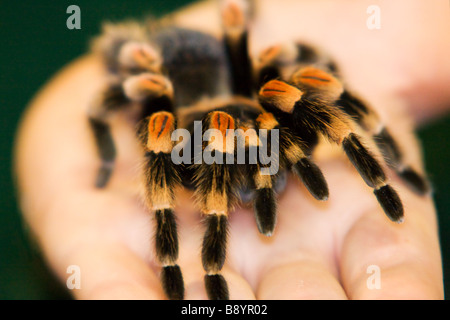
x: 319, y: 250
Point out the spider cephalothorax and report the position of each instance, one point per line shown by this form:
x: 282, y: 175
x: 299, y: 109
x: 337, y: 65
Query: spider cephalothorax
x: 287, y: 97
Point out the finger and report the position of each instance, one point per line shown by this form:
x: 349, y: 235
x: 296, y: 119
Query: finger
x: 297, y: 261
x: 193, y: 273
x: 112, y: 231
x: 113, y: 271
x: 407, y: 255
x: 191, y: 235
x: 301, y: 280
x: 383, y: 260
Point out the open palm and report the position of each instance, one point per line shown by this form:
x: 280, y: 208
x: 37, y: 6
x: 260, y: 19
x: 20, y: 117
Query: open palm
x: 323, y: 250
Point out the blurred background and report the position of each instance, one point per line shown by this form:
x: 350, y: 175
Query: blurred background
x: 35, y: 44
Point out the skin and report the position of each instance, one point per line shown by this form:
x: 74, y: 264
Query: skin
x: 319, y: 250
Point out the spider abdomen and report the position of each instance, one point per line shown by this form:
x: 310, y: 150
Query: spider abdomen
x: 195, y: 62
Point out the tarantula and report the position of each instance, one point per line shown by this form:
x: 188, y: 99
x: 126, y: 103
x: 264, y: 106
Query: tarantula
x: 291, y: 92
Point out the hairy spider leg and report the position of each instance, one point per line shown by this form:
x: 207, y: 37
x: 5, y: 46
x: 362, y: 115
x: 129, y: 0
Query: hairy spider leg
x: 217, y: 186
x: 291, y: 156
x: 235, y: 24
x: 126, y: 56
x: 369, y: 120
x: 111, y: 99
x: 161, y: 179
x: 313, y: 110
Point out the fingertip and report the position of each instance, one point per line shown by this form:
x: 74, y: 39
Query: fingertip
x: 120, y: 291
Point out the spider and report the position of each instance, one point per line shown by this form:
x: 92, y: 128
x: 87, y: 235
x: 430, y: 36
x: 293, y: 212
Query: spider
x: 292, y: 93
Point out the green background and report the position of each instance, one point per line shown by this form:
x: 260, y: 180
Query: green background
x: 35, y: 43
